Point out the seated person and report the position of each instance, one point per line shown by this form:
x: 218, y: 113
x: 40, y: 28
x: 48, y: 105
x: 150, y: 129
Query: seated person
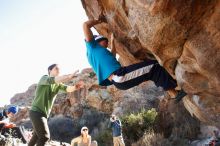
x: 7, y: 128
x: 84, y: 139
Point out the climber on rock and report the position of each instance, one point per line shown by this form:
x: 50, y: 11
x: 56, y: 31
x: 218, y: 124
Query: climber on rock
x: 109, y: 71
x: 47, y: 89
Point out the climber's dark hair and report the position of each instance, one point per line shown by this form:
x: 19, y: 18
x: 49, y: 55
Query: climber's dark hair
x: 50, y: 68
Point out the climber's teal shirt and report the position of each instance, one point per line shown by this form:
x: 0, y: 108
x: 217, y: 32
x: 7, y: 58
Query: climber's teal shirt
x: 102, y: 61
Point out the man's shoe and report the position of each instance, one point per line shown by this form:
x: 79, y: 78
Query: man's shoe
x: 180, y: 96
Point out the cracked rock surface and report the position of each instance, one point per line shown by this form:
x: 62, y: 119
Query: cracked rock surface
x: 183, y: 35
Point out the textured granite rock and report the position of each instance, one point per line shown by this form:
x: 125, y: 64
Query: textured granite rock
x: 183, y: 35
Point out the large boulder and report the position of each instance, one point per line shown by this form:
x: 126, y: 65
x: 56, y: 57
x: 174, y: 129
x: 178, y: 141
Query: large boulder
x: 182, y: 35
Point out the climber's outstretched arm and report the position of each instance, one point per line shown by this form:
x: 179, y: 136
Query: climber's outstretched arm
x: 87, y: 29
x: 113, y: 49
x: 66, y: 78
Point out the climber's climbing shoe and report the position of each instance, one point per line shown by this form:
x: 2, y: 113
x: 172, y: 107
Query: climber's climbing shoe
x: 180, y: 96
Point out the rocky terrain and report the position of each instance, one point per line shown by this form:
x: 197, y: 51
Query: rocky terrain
x: 183, y: 35
x: 93, y: 105
x: 90, y: 106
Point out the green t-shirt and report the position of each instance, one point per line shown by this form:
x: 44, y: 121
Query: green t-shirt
x: 45, y: 95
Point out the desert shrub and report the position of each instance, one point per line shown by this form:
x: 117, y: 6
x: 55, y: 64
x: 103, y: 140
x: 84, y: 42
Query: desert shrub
x: 155, y: 139
x: 152, y: 139
x: 104, y: 138
x: 135, y: 125
x: 62, y: 128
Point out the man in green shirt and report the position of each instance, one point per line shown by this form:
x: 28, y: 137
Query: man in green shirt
x: 45, y: 95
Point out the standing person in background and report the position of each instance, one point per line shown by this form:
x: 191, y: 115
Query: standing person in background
x: 46, y: 92
x: 84, y: 140
x: 116, y: 127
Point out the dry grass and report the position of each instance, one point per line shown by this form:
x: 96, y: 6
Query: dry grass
x: 152, y: 139
x: 155, y: 139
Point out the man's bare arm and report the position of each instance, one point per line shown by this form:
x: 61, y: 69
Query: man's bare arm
x: 66, y: 78
x: 113, y: 49
x: 87, y: 29
x: 89, y: 24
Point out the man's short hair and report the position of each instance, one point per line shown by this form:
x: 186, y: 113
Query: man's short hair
x: 50, y: 68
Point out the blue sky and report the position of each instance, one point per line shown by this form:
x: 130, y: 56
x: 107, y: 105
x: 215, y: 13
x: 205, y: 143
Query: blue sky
x: 35, y: 34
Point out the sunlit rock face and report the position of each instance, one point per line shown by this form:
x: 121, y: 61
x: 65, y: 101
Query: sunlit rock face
x: 183, y: 35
